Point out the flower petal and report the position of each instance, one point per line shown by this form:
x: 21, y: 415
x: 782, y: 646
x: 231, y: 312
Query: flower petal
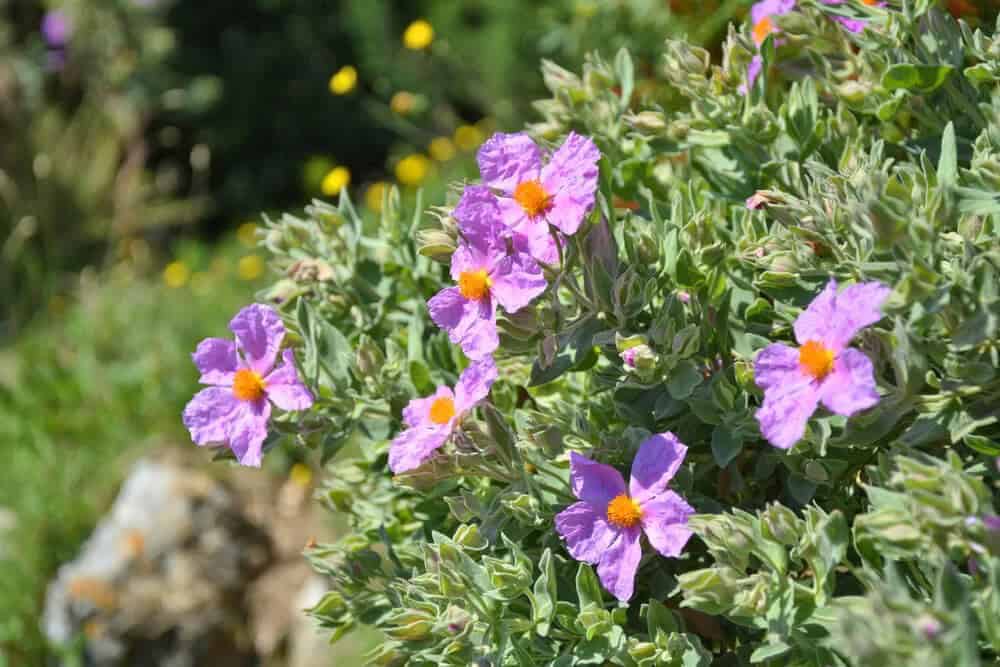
x: 753, y: 71
x: 474, y: 384
x: 664, y: 520
x: 468, y: 257
x: 571, y: 178
x: 776, y: 365
x: 506, y: 160
x: 248, y: 431
x: 850, y: 388
x: 536, y: 238
x: 414, y: 446
x: 517, y: 280
x: 586, y: 532
x: 478, y: 216
x: 786, y: 409
x: 620, y: 562
x: 284, y: 387
x: 766, y: 8
x: 217, y: 360
x: 208, y: 414
x: 834, y: 319
x: 593, y: 482
x: 568, y: 212
x: 470, y: 324
x: 655, y: 464
x: 259, y: 332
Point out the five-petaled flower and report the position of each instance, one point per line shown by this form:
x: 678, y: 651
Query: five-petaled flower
x: 244, y: 382
x: 823, y: 369
x: 605, y: 528
x: 486, y: 276
x: 533, y: 195
x: 431, y: 420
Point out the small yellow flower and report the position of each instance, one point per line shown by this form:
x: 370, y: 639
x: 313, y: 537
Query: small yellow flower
x: 412, y: 169
x: 176, y: 274
x: 250, y: 267
x: 468, y: 137
x: 300, y: 474
x: 373, y: 196
x: 344, y: 81
x: 247, y: 234
x: 336, y: 180
x: 402, y: 102
x: 418, y: 35
x: 441, y: 149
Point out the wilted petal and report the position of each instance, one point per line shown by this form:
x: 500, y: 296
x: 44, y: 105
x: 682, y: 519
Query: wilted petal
x: 516, y: 282
x: 664, y: 520
x: 786, y: 409
x: 414, y: 446
x: 620, y: 562
x: 506, y: 160
x: 657, y: 461
x: 593, y: 482
x: 474, y: 383
x: 775, y: 365
x: 208, y: 415
x: 259, y: 332
x: 850, y: 388
x: 284, y: 387
x: 216, y: 359
x: 248, y: 431
x: 586, y: 532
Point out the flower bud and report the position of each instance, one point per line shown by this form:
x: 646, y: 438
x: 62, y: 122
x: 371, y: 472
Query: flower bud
x: 780, y: 524
x: 557, y: 78
x: 369, y: 358
x: 436, y: 244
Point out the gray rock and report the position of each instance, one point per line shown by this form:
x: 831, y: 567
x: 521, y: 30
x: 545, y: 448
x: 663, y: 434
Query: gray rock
x: 162, y: 580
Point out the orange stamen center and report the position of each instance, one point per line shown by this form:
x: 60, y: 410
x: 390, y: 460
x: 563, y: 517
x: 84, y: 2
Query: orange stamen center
x: 248, y: 385
x: 624, y: 512
x: 474, y: 285
x: 533, y: 198
x: 815, y: 359
x: 762, y: 29
x: 870, y: 3
x: 442, y: 410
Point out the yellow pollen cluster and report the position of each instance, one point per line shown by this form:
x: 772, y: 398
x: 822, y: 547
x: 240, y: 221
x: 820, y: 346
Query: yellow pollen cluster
x: 816, y: 359
x: 762, y: 29
x: 624, y: 512
x: 533, y: 198
x: 474, y: 285
x: 442, y: 410
x: 248, y: 385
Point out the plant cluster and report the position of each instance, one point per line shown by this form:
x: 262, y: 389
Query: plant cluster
x: 770, y: 283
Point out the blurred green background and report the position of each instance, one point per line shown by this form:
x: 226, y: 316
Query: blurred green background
x: 140, y: 141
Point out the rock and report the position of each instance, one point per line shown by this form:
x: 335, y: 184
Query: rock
x: 162, y: 580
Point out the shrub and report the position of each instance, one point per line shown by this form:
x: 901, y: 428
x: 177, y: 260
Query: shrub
x: 729, y: 196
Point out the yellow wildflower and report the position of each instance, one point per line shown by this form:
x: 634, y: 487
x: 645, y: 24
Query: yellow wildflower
x: 250, y: 267
x: 176, y: 274
x: 300, y: 474
x: 418, y: 35
x: 441, y: 149
x: 373, y: 196
x: 402, y: 102
x: 468, y: 137
x: 336, y: 180
x: 344, y: 81
x: 412, y: 169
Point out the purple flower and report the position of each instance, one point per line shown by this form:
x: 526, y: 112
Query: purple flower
x: 533, y: 195
x: 762, y: 17
x: 605, y: 527
x: 628, y: 357
x: 823, y: 370
x: 853, y: 25
x: 486, y: 276
x: 432, y: 419
x: 56, y: 28
x: 244, y: 382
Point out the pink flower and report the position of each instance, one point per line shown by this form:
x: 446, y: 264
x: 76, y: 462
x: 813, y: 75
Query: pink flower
x: 486, y: 276
x: 533, y: 195
x: 823, y: 370
x: 853, y: 25
x: 243, y: 381
x: 606, y: 526
x: 431, y: 420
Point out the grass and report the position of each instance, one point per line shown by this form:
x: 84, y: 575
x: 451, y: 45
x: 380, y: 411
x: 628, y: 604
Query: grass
x: 99, y: 380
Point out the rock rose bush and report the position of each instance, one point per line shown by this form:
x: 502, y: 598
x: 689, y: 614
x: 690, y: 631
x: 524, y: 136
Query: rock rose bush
x: 703, y: 370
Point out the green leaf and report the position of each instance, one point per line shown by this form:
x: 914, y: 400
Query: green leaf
x: 948, y: 162
x: 683, y: 379
x: 726, y: 445
x: 921, y: 78
x: 588, y: 589
x: 625, y: 72
x: 769, y: 651
x: 573, y: 348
